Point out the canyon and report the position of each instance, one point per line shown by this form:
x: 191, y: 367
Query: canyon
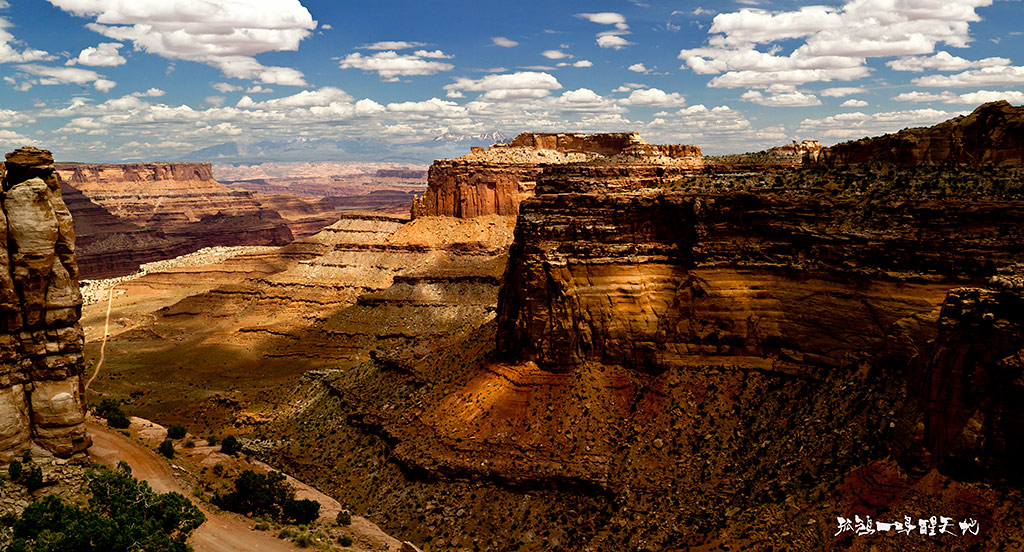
x: 594, y: 343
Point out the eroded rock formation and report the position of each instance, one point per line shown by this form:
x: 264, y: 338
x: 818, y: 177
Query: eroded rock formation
x: 494, y: 181
x: 993, y: 135
x: 41, y: 362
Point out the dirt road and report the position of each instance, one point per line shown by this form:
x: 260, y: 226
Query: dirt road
x: 222, y: 532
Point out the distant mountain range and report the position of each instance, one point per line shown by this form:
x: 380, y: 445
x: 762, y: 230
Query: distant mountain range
x: 343, y: 149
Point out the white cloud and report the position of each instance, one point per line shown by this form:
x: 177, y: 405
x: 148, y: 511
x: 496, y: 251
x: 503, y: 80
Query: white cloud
x: 969, y: 98
x: 987, y: 76
x: 151, y: 93
x: 9, y: 55
x: 844, y: 126
x: 629, y: 86
x: 854, y: 103
x: 637, y: 68
x: 654, y: 97
x: 392, y: 45
x: 432, y: 54
x: 782, y: 99
x: 392, y: 65
x: 67, y: 75
x: 103, y: 55
x: 554, y: 54
x: 259, y: 89
x: 613, y: 41
x: 512, y: 86
x: 834, y: 42
x: 215, y: 101
x: 943, y: 61
x: 606, y: 18
x: 583, y: 63
x: 504, y: 42
x: 224, y: 87
x: 225, y: 34
x: 842, y: 91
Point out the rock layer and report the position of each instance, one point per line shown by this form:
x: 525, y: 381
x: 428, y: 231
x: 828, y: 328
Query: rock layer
x: 496, y: 180
x: 41, y: 362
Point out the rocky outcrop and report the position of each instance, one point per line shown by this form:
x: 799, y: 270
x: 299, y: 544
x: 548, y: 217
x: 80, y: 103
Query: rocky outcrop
x: 972, y: 386
x: 494, y: 181
x: 993, y: 135
x: 41, y: 362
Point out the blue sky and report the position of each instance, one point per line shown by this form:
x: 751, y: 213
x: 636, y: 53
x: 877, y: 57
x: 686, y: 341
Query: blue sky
x: 105, y: 80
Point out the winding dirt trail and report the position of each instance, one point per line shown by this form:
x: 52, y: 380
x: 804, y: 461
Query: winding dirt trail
x: 106, y: 334
x: 222, y: 532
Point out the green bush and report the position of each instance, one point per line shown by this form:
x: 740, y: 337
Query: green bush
x: 344, y: 518
x: 345, y: 540
x: 167, y: 448
x: 230, y: 445
x: 122, y: 515
x: 14, y: 470
x: 118, y: 420
x: 259, y: 494
x: 300, y: 512
x: 176, y: 431
x: 211, y: 441
x: 33, y: 479
x: 112, y: 411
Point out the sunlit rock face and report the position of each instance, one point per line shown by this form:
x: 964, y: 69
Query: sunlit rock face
x: 41, y: 362
x: 495, y: 180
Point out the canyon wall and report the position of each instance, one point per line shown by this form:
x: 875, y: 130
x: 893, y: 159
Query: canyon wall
x: 992, y: 135
x: 131, y: 214
x: 41, y: 362
x: 494, y: 181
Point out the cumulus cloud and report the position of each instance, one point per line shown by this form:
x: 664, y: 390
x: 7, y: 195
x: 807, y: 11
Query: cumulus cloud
x: 943, y: 61
x: 67, y: 75
x: 615, y: 42
x: 224, y: 87
x: 555, y: 54
x: 583, y: 63
x: 8, y: 54
x: 637, y: 68
x: 391, y: 65
x: 852, y: 102
x: 104, y: 55
x: 392, y: 45
x: 782, y: 99
x: 504, y: 42
x: 1009, y: 75
x: 969, y: 98
x: 225, y: 34
x: 834, y: 42
x: 151, y: 93
x: 508, y: 87
x: 610, y: 38
x: 841, y: 91
x: 654, y: 97
x: 857, y: 124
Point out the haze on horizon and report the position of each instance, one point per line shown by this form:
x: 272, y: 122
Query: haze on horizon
x: 112, y: 80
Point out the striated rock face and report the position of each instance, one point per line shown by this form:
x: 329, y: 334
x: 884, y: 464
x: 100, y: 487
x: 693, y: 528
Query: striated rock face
x: 41, y: 341
x: 496, y: 180
x: 655, y: 280
x: 992, y: 135
x: 972, y: 386
x: 136, y: 213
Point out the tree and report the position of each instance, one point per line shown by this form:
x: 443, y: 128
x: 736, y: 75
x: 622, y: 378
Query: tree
x: 267, y: 494
x: 167, y: 448
x: 122, y: 515
x: 176, y: 431
x: 230, y: 445
x: 300, y: 512
x: 14, y: 470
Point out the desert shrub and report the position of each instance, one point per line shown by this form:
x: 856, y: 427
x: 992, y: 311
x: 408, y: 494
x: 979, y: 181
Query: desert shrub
x: 211, y: 441
x: 305, y: 540
x: 122, y: 515
x: 300, y: 512
x: 118, y: 420
x: 230, y: 445
x: 176, y: 431
x: 167, y: 448
x: 33, y: 479
x: 267, y: 494
x: 345, y: 540
x: 113, y: 412
x: 14, y: 470
x: 189, y: 443
x: 344, y: 518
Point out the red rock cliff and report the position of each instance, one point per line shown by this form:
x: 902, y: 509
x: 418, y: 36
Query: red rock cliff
x: 496, y: 180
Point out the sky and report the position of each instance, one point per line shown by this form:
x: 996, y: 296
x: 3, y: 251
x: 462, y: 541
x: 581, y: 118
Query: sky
x: 110, y: 80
